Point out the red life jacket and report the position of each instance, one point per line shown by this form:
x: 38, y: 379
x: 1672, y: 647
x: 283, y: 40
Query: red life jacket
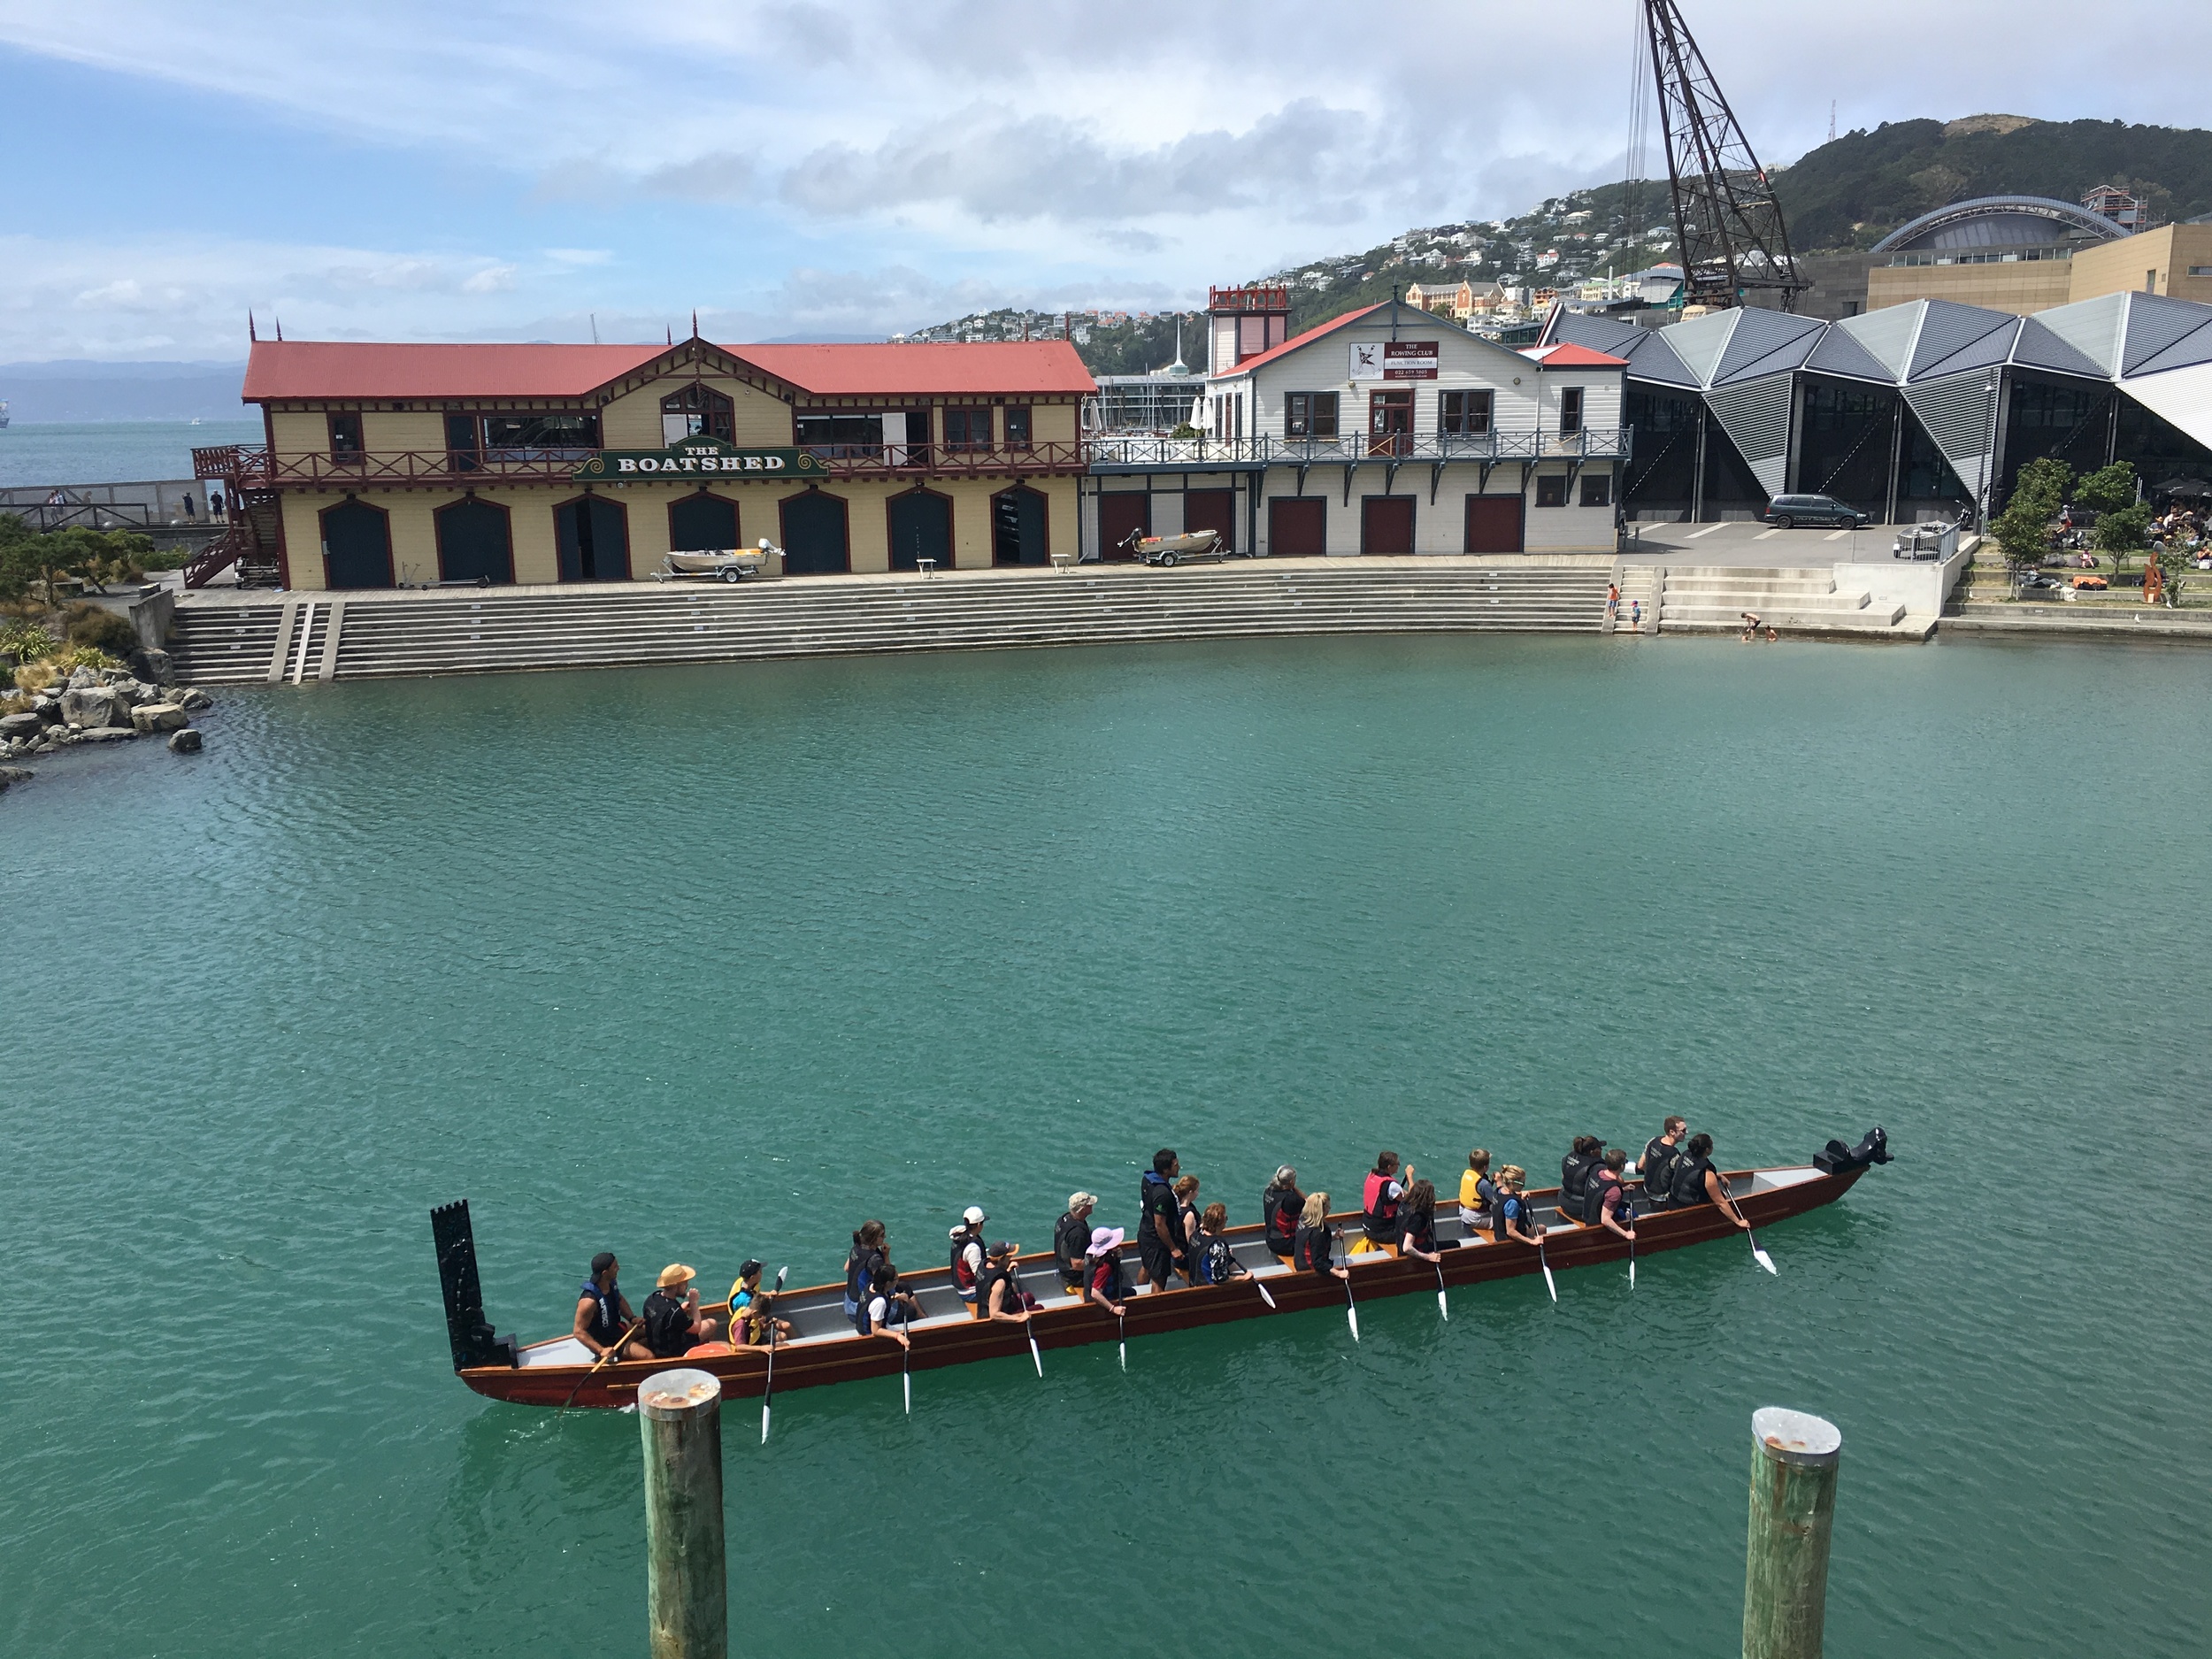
x: 1382, y: 1211
x: 964, y: 1277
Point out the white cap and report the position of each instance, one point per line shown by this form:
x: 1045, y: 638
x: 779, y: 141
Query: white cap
x: 974, y: 1218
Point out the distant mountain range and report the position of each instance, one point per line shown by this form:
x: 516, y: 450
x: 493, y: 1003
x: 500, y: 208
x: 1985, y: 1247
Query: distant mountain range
x: 1847, y: 194
x: 85, y: 390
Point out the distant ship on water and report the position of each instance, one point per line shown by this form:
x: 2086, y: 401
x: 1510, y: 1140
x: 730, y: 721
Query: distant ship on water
x: 4, y: 414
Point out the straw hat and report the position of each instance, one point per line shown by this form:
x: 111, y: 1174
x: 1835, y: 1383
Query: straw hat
x: 674, y: 1274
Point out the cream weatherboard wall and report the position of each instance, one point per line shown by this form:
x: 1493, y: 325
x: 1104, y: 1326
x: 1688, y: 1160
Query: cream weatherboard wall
x: 411, y: 518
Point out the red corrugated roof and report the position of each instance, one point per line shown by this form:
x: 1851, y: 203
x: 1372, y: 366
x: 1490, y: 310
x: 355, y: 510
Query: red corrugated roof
x: 365, y: 371
x: 1296, y: 341
x: 350, y: 370
x: 1564, y: 356
x: 871, y: 370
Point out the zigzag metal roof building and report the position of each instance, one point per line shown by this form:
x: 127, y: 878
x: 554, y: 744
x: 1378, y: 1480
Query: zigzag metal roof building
x: 1910, y: 410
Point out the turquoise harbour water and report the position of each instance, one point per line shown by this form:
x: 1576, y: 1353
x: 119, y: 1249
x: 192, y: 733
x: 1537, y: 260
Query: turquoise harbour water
x: 700, y: 964
x: 110, y: 451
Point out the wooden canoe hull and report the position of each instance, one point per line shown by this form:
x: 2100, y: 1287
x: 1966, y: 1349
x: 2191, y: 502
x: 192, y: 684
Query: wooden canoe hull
x: 816, y: 1364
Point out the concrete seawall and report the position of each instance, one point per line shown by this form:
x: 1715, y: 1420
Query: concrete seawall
x: 298, y: 638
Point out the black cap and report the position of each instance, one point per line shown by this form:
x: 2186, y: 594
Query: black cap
x: 601, y: 1262
x: 748, y: 1268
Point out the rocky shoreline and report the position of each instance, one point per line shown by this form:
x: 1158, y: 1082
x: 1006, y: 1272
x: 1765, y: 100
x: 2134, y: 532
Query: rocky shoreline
x: 98, y: 705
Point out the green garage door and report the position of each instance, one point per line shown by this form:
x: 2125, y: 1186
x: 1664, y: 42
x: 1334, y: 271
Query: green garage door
x: 593, y: 534
x: 1018, y: 527
x: 814, y: 540
x: 921, y: 529
x: 474, y: 545
x: 357, y: 546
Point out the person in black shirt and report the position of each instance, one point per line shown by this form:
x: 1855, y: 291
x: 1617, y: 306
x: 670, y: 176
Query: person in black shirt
x: 1161, y: 1241
x: 1314, y: 1251
x: 1416, y: 1221
x: 603, y: 1313
x: 1072, y: 1238
x: 1608, y: 1200
x: 1279, y: 1208
x: 1656, y: 1169
x: 674, y: 1324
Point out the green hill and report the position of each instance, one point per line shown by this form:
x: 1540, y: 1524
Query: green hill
x: 1847, y: 194
x: 1854, y: 191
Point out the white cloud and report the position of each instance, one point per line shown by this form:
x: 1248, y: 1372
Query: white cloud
x: 496, y: 279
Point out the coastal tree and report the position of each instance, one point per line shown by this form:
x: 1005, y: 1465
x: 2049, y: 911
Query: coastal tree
x: 2022, y: 530
x: 2124, y: 531
x: 2109, y: 488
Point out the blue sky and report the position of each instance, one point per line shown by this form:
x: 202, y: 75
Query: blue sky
x: 413, y: 172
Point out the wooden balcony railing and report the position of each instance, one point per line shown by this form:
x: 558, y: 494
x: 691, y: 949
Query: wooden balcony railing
x: 245, y: 467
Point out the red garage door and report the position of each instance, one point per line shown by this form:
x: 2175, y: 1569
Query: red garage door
x: 1494, y: 524
x: 1119, y: 514
x: 1212, y: 510
x: 1385, y: 524
x: 1297, y: 528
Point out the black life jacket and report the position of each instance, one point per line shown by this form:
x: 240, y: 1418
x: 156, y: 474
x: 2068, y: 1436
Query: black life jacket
x: 1523, y: 1212
x: 668, y: 1324
x: 964, y: 1277
x: 1603, y: 1182
x: 1420, y: 1225
x: 993, y: 1277
x: 1657, y: 1168
x: 606, y: 1319
x: 1486, y: 1195
x: 860, y: 1265
x: 1281, y: 1205
x: 1070, y: 1240
x: 1686, y: 1182
x: 1381, y: 1209
x: 1311, y: 1248
x: 1574, y: 1181
x: 1214, y: 1260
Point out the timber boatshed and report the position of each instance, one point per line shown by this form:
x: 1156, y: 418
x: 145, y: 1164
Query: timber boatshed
x: 1389, y: 430
x: 388, y: 465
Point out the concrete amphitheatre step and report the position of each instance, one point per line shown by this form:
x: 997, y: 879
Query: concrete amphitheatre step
x: 1712, y: 598
x: 470, y: 631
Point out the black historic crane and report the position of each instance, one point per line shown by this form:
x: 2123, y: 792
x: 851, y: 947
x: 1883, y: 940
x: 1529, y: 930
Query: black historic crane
x: 1726, y: 221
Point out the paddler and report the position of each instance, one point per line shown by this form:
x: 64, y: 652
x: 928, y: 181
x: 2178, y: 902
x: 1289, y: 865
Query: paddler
x: 1314, y: 1249
x: 1608, y: 1199
x: 1517, y: 1219
x: 1478, y: 1193
x: 674, y: 1324
x: 968, y: 1258
x: 603, y: 1313
x: 882, y: 1309
x: 1101, y: 1267
x: 1658, y: 1160
x: 1384, y: 1193
x: 1159, y: 1237
x: 1279, y: 1206
x: 1072, y: 1238
x: 1004, y: 1301
x: 1416, y: 1223
x: 1696, y: 1181
x: 752, y: 1310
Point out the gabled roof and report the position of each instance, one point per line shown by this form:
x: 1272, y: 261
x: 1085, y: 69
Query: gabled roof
x: 1645, y: 351
x: 1039, y: 366
x: 1568, y: 355
x: 1307, y: 339
x: 361, y: 371
x: 365, y: 371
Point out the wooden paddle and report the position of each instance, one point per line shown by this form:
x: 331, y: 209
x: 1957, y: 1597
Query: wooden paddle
x: 1442, y: 1307
x: 906, y: 1377
x: 1542, y: 1262
x: 618, y: 1344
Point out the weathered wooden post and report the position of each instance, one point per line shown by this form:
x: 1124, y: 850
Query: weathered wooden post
x: 1794, y: 1460
x: 679, y: 1416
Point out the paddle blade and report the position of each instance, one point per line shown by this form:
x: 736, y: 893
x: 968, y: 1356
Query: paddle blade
x: 764, y: 1423
x: 906, y: 1388
x: 1632, y: 1272
x: 1264, y: 1297
x: 1442, y: 1307
x: 1550, y: 1284
x: 1038, y: 1358
x: 1124, y: 1355
x: 1762, y: 1257
x: 779, y: 1273
x: 1352, y: 1314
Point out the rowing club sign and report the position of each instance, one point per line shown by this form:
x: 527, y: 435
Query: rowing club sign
x: 693, y: 457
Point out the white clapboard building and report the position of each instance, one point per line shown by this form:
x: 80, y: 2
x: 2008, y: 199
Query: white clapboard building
x: 1389, y: 430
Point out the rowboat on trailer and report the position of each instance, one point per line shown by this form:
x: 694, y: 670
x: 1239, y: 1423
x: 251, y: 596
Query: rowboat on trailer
x: 825, y: 1348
